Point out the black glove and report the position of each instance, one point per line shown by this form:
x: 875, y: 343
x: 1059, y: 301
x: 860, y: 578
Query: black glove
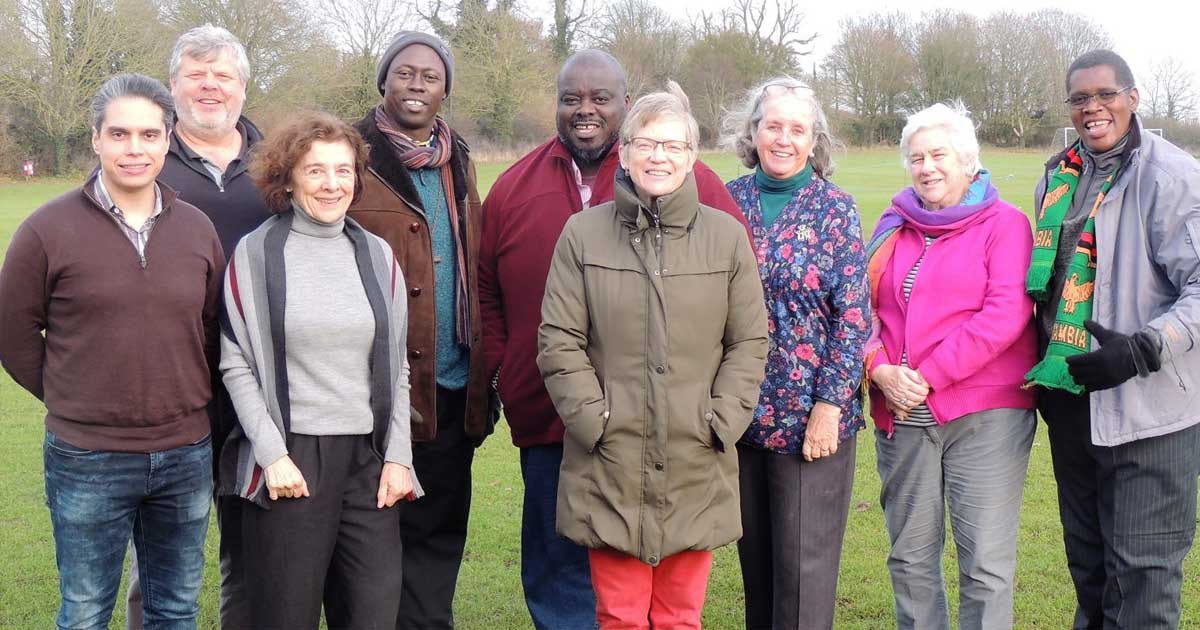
x: 1120, y: 358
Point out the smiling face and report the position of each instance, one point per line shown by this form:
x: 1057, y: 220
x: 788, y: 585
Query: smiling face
x: 784, y: 140
x: 659, y: 171
x: 1101, y: 126
x: 208, y: 94
x: 591, y: 108
x: 323, y: 181
x: 414, y: 90
x: 131, y: 143
x: 938, y: 174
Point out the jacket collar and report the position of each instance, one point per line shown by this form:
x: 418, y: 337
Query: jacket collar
x: 168, y: 194
x: 678, y: 209
x: 1131, y: 147
x: 382, y: 160
x: 250, y: 136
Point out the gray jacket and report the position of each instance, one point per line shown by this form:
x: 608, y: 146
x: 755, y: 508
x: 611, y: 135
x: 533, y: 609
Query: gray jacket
x: 1148, y: 276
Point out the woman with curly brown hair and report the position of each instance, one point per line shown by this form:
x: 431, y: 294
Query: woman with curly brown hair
x: 313, y: 357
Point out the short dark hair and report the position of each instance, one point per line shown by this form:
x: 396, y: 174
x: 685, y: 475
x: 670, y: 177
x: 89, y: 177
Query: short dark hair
x: 129, y: 85
x: 1102, y: 57
x: 275, y: 157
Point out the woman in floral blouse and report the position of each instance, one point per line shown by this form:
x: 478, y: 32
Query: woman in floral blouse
x: 799, y: 450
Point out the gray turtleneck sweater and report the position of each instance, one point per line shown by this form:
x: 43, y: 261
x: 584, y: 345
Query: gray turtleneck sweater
x: 329, y: 328
x: 1096, y: 168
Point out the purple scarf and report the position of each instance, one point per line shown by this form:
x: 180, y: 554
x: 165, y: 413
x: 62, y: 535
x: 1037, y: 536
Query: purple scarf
x: 906, y: 207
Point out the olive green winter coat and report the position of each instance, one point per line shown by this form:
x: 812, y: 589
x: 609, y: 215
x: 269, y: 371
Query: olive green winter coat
x: 652, y: 343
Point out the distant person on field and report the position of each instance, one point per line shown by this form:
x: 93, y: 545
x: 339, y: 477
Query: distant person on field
x: 27, y: 169
x: 207, y: 164
x: 420, y: 196
x: 952, y: 339
x: 652, y: 344
x: 1116, y: 279
x: 797, y: 457
x: 123, y: 277
x: 522, y: 218
x: 313, y: 355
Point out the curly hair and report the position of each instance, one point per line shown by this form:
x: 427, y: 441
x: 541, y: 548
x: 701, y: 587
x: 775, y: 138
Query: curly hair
x: 275, y: 157
x: 741, y: 124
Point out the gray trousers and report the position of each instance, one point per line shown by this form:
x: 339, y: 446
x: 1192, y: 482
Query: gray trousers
x: 1129, y: 517
x: 793, y: 521
x: 976, y: 465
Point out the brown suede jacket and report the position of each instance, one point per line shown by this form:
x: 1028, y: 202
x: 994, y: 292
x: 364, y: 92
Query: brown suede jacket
x: 391, y: 208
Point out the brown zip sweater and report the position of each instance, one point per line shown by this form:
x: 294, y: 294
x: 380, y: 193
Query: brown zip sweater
x: 124, y: 363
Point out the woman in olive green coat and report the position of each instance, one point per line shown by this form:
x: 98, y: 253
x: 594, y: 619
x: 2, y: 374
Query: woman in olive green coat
x: 653, y: 341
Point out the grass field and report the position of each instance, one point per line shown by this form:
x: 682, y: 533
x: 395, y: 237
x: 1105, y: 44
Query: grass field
x: 489, y: 591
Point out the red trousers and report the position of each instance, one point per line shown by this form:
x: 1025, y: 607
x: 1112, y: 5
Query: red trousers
x: 632, y: 595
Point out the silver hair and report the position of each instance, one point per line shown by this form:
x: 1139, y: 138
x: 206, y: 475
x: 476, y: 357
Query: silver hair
x: 956, y: 121
x: 670, y: 103
x: 206, y: 43
x: 740, y: 125
x: 128, y: 85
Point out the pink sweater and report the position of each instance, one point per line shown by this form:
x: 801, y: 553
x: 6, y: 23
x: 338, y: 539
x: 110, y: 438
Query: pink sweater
x: 968, y: 325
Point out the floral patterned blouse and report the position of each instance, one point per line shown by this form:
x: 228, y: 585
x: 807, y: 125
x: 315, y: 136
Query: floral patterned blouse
x: 814, y: 273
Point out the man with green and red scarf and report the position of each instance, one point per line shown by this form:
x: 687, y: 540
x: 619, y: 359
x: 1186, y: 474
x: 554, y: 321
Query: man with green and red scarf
x: 1115, y: 277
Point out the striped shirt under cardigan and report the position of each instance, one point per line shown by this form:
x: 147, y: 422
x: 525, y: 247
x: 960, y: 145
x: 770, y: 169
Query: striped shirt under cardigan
x: 254, y: 359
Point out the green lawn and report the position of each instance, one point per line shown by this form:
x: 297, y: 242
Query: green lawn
x: 489, y: 593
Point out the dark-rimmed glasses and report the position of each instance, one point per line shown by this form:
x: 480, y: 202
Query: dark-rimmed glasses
x: 1103, y: 97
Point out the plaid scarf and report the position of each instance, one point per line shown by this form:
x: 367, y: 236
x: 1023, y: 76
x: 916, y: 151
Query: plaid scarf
x: 1068, y: 336
x: 436, y: 154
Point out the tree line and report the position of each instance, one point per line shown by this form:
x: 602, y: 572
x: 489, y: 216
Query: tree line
x: 1007, y: 68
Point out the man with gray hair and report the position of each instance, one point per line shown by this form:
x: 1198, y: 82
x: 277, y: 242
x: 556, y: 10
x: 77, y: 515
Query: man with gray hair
x: 108, y: 315
x: 207, y: 164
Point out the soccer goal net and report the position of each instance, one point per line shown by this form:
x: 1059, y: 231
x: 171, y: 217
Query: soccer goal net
x: 1069, y: 136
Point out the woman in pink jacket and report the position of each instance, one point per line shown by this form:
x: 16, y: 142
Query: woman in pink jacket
x: 952, y: 340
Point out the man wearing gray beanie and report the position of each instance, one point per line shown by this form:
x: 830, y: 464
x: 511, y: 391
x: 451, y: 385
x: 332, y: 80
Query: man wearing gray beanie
x: 420, y: 197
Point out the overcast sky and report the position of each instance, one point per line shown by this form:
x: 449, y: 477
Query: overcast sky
x: 1142, y: 31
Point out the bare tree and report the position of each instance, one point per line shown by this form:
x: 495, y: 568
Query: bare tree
x: 502, y: 64
x: 366, y: 27
x: 1171, y: 91
x: 61, y: 51
x: 874, y: 62
x: 773, y: 30
x: 569, y: 17
x: 950, y: 61
x: 649, y: 43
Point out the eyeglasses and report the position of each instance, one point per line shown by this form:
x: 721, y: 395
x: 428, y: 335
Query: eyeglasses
x: 779, y: 89
x: 673, y: 148
x: 1104, y: 97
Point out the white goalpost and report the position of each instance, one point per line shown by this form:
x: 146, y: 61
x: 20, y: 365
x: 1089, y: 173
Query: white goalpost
x: 1069, y: 136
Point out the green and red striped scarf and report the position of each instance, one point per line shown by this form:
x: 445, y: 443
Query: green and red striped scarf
x: 1068, y: 336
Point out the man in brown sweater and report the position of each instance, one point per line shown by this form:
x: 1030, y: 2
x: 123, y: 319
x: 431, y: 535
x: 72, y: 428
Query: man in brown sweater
x: 108, y: 307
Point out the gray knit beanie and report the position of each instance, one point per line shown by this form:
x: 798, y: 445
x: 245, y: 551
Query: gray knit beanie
x: 403, y: 40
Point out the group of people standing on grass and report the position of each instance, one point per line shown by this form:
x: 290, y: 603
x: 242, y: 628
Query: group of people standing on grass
x: 317, y: 327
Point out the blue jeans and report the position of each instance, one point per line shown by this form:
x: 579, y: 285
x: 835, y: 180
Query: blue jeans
x: 555, y: 572
x: 96, y: 498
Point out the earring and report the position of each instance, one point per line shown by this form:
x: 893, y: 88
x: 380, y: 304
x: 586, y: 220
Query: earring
x: 288, y: 189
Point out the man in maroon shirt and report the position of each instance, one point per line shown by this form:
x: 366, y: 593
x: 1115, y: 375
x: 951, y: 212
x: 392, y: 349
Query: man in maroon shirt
x: 522, y: 218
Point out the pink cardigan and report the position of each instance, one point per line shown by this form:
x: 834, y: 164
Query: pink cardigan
x: 969, y: 324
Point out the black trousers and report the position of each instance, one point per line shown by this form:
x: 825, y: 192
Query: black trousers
x: 1129, y: 517
x: 333, y: 547
x: 793, y: 521
x: 434, y: 528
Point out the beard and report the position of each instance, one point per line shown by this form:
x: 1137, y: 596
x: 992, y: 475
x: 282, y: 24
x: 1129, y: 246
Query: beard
x: 221, y: 122
x: 587, y: 157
